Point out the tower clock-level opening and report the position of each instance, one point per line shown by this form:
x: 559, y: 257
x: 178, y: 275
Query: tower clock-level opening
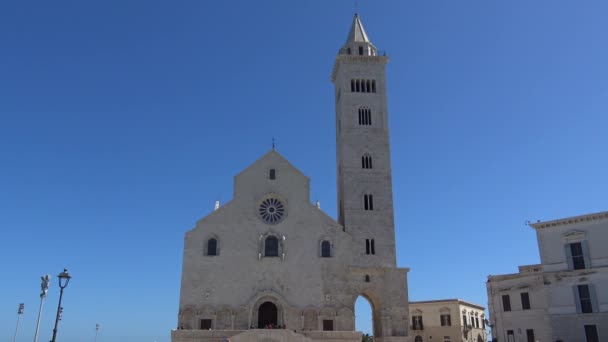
x: 267, y: 315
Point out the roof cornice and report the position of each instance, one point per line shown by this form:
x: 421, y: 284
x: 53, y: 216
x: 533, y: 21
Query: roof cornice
x: 571, y: 220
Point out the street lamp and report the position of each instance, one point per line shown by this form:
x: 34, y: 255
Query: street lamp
x: 64, y: 280
x: 44, y: 287
x: 19, y: 313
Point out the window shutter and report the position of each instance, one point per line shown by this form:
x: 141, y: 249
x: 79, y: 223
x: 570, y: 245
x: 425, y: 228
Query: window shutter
x: 594, y: 303
x: 577, y: 299
x: 585, y: 245
x: 569, y: 256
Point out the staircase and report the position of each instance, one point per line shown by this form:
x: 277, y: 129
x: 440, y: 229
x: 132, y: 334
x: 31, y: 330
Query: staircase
x: 269, y: 335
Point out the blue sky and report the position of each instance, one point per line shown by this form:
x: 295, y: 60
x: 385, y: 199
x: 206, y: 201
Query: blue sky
x: 122, y: 122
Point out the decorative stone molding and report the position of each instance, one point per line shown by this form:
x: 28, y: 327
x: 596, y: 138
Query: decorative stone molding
x: 571, y: 220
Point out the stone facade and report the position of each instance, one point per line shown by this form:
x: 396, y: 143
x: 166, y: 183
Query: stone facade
x: 270, y: 257
x: 448, y: 320
x: 565, y: 298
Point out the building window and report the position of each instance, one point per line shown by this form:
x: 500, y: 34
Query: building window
x: 525, y: 301
x: 272, y: 174
x: 271, y: 246
x: 530, y: 335
x: 205, y: 324
x: 366, y: 161
x: 576, y: 256
x: 368, y: 202
x: 328, y: 325
x: 464, y: 320
x: 365, y: 116
x: 360, y: 50
x: 584, y: 295
x: 506, y: 303
x: 212, y: 247
x: 418, y: 338
x: 510, y: 336
x: 446, y: 320
x: 476, y: 322
x: 591, y: 333
x: 325, y: 249
x: 446, y: 339
x: 417, y: 323
x: 367, y: 279
x: 363, y: 86
x: 370, y: 247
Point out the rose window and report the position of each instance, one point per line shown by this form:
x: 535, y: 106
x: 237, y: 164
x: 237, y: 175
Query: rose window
x: 271, y: 210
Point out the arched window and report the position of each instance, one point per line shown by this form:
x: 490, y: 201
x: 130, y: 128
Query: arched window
x: 325, y: 249
x: 366, y: 161
x: 418, y: 339
x: 272, y: 174
x: 212, y: 247
x: 358, y: 86
x: 373, y: 86
x: 368, y: 87
x: 352, y: 85
x: 368, y: 202
x: 367, y: 247
x: 367, y: 279
x: 365, y: 116
x: 271, y: 246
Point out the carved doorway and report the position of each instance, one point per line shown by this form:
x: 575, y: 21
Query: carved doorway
x: 267, y: 315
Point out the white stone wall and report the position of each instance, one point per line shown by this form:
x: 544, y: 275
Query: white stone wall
x: 306, y: 288
x: 553, y: 286
x: 518, y: 319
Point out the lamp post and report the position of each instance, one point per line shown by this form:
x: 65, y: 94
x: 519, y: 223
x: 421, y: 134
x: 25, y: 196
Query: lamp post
x: 64, y: 280
x: 44, y: 287
x: 96, y: 331
x: 19, y: 313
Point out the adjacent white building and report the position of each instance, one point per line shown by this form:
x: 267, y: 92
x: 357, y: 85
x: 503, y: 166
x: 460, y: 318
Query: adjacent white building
x: 271, y: 258
x: 565, y: 297
x: 447, y: 320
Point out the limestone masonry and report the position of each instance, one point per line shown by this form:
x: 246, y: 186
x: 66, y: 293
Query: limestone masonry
x: 269, y: 257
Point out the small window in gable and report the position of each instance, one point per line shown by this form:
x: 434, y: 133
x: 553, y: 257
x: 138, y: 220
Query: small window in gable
x: 271, y: 246
x: 325, y: 249
x: 212, y: 247
x: 272, y: 174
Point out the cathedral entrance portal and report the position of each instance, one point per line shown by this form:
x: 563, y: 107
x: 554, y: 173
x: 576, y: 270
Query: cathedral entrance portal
x: 267, y: 315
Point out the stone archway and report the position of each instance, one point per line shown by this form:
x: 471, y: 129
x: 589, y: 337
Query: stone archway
x: 267, y: 315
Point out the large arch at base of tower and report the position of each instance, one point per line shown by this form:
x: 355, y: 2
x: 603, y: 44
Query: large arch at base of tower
x: 367, y: 318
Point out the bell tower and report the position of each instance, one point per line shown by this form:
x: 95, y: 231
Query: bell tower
x: 365, y: 197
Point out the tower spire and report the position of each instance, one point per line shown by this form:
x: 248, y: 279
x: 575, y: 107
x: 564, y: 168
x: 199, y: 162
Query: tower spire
x: 357, y: 42
x: 357, y: 33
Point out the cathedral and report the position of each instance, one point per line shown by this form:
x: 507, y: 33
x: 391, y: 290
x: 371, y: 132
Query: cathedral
x: 269, y: 265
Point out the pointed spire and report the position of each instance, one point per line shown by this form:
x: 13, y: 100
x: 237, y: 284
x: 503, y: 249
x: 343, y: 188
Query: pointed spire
x: 358, y: 42
x: 357, y: 32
